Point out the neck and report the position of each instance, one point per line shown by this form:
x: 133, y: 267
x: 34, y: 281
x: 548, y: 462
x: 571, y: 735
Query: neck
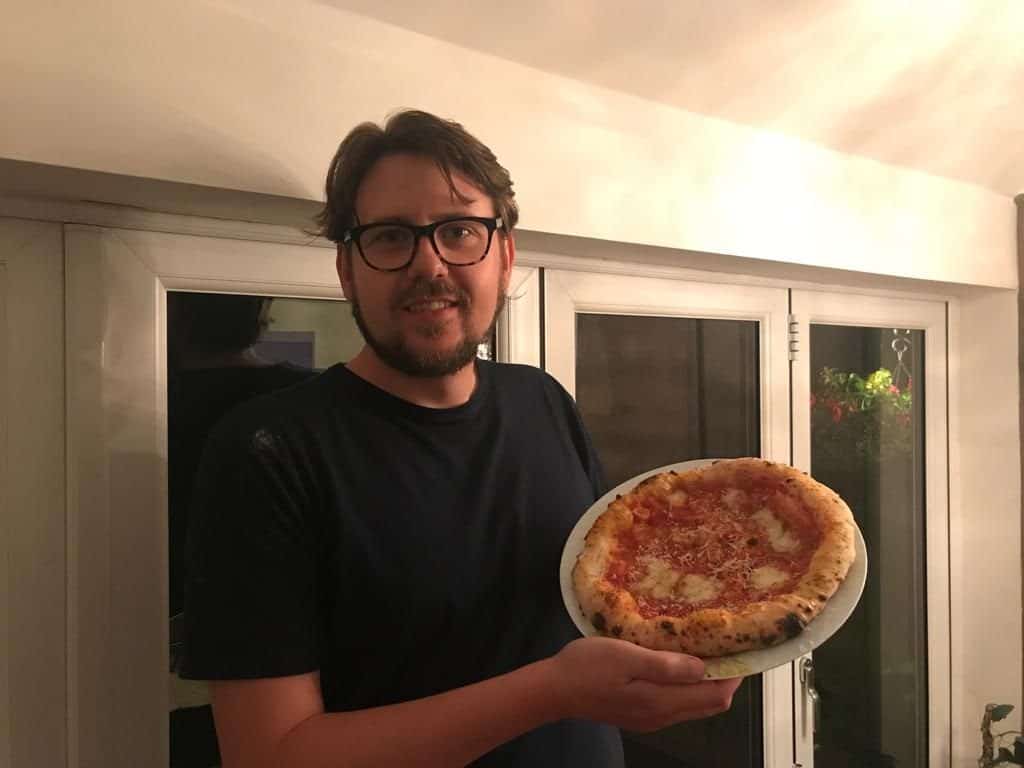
x: 440, y: 392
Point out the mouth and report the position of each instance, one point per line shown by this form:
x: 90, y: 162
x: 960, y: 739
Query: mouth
x: 430, y: 305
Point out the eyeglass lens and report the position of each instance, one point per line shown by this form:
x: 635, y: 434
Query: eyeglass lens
x: 389, y: 246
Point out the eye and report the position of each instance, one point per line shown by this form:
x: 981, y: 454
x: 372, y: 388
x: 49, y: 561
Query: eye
x: 455, y: 234
x: 386, y: 237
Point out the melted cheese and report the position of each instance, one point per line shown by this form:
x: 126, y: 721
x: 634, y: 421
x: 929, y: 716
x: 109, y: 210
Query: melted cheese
x: 658, y: 580
x: 781, y: 540
x: 694, y: 588
x: 677, y: 498
x: 766, y: 577
x: 734, y: 498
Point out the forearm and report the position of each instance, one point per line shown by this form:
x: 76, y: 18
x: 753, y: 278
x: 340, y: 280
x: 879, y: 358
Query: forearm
x: 449, y: 729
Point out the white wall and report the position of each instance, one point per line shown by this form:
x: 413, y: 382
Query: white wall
x: 985, y: 517
x: 255, y: 95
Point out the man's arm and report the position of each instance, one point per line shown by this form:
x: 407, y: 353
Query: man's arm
x: 280, y: 721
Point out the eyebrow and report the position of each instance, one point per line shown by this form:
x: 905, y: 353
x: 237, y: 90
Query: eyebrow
x: 433, y: 217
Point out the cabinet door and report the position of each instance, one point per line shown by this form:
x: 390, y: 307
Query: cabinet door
x: 665, y: 371
x: 869, y: 409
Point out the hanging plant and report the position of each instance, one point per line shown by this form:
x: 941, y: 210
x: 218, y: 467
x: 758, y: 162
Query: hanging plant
x: 866, y: 417
x: 993, y: 749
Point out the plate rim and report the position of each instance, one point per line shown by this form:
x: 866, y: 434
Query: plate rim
x: 836, y: 612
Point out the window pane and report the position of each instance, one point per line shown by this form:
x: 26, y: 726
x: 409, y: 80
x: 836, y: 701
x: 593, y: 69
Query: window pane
x: 867, y: 443
x: 223, y: 350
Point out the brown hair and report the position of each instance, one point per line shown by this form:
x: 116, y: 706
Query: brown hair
x: 446, y: 142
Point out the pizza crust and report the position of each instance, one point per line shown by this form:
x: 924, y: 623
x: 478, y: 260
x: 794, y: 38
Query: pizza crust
x: 717, y: 631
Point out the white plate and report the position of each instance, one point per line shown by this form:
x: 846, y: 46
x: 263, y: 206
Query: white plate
x: 835, y: 613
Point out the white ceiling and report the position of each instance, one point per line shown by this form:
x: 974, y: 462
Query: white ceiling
x: 935, y: 85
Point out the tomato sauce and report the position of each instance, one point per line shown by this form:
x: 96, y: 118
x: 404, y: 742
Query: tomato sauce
x: 713, y: 534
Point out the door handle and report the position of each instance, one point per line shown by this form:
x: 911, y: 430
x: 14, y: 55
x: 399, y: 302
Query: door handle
x: 810, y: 692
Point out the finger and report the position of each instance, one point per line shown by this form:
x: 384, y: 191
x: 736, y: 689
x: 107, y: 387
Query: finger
x: 716, y: 698
x: 668, y: 667
x: 708, y: 698
x: 732, y: 684
x: 657, y: 706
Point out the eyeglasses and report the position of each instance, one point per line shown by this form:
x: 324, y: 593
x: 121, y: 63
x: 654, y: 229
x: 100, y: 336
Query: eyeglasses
x: 391, y: 246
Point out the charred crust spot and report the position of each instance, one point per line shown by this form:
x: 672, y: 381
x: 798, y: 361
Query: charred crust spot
x: 599, y: 622
x: 669, y: 627
x: 618, y: 496
x: 769, y: 639
x: 791, y: 625
x: 805, y: 608
x: 823, y: 598
x: 751, y: 542
x: 617, y: 630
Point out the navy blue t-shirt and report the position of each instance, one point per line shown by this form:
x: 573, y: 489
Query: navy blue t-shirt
x: 402, y: 551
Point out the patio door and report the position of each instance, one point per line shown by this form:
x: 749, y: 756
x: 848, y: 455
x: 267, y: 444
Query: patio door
x: 663, y: 371
x: 869, y: 420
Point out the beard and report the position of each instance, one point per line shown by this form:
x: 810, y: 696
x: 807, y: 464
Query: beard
x: 403, y: 357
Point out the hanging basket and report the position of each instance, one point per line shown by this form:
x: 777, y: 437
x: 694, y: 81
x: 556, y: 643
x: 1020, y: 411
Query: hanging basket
x: 870, y: 418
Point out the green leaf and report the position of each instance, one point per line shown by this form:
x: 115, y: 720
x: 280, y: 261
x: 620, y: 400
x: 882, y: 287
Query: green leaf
x: 1000, y: 711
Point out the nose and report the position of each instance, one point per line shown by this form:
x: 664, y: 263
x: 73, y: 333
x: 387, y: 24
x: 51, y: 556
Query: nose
x: 425, y: 260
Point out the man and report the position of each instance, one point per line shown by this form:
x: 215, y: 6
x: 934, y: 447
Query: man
x: 373, y: 567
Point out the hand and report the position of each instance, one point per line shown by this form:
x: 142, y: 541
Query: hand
x: 617, y: 682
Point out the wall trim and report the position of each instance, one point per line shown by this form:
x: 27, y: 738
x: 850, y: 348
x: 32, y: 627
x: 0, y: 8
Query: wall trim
x: 534, y: 249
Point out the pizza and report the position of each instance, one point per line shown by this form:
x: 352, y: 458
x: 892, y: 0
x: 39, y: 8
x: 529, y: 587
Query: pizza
x: 735, y: 555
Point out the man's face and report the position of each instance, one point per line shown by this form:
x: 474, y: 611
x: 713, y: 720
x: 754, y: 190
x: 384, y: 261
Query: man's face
x: 425, y: 320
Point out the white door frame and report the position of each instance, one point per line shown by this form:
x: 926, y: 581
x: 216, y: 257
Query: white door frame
x: 567, y: 293
x: 820, y: 307
x: 33, y: 633
x: 518, y: 328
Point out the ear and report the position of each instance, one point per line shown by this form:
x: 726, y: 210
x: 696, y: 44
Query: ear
x: 508, y: 253
x: 343, y: 263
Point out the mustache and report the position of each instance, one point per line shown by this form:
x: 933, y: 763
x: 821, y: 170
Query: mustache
x: 423, y: 289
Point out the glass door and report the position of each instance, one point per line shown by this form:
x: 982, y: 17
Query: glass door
x: 869, y: 422
x: 222, y: 350
x: 666, y: 371
x: 166, y: 333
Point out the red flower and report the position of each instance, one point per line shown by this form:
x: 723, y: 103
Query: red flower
x: 814, y: 400
x: 837, y: 413
x: 894, y: 389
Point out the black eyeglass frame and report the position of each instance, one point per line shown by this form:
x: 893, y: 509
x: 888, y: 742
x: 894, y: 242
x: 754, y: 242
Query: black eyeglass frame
x: 492, y: 223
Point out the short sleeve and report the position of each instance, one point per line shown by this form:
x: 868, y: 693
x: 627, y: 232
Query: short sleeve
x: 579, y: 435
x: 251, y: 559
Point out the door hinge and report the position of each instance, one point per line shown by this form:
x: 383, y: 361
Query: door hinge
x: 794, y: 337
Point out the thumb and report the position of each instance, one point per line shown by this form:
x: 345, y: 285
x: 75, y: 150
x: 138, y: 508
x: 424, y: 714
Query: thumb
x: 667, y: 667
